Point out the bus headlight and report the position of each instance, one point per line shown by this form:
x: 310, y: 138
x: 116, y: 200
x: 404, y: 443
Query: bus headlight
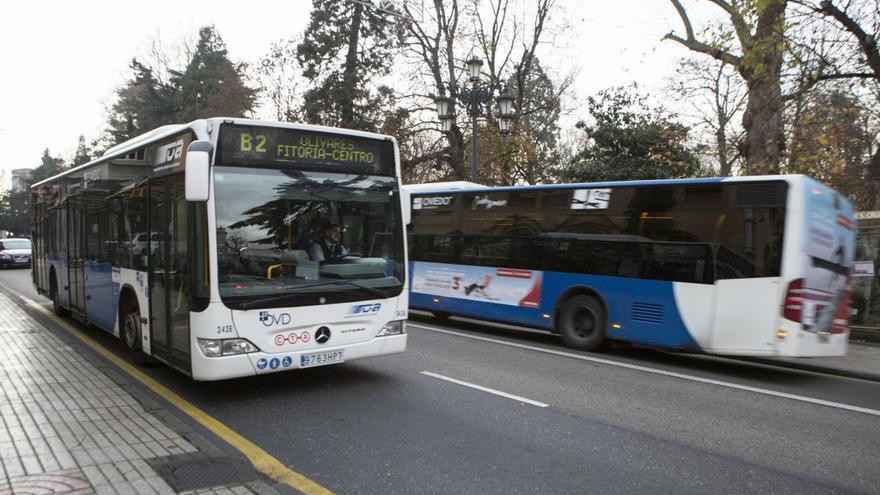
x: 397, y: 327
x: 225, y: 347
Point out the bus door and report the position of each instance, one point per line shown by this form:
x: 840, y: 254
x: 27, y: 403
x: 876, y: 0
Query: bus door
x: 169, y: 293
x: 76, y: 273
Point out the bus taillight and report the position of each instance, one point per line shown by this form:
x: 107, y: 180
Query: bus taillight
x: 794, y: 300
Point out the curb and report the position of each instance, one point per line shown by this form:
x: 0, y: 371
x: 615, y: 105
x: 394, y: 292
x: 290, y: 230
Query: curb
x: 814, y: 368
x: 864, y: 336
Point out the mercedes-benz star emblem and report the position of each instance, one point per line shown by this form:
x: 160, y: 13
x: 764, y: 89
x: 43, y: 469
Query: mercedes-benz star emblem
x: 322, y: 335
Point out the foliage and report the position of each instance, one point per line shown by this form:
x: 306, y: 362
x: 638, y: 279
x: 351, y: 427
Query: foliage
x: 837, y: 47
x: 831, y: 142
x: 346, y: 46
x: 49, y: 166
x: 508, y: 34
x: 210, y: 85
x: 712, y: 95
x: 142, y: 104
x: 84, y: 153
x: 531, y: 153
x: 629, y: 140
x: 281, y: 81
x: 15, y: 206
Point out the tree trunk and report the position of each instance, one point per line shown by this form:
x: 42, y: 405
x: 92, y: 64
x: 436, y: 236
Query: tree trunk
x: 762, y: 122
x: 761, y: 69
x: 873, y: 201
x: 723, y: 158
x: 349, y: 76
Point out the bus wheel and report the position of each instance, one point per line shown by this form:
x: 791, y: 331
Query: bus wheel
x: 131, y: 336
x: 57, y: 308
x: 581, y: 323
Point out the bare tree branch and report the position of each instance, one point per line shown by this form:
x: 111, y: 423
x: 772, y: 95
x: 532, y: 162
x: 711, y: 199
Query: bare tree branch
x: 867, y: 43
x: 693, y: 44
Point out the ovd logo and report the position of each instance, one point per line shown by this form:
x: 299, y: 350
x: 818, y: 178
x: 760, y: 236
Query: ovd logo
x: 268, y: 319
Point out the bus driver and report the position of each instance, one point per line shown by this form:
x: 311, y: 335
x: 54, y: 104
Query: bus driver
x: 330, y: 246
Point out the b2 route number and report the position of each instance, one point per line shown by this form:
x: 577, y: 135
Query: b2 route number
x: 250, y: 142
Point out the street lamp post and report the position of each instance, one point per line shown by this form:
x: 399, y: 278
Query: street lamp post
x: 474, y: 98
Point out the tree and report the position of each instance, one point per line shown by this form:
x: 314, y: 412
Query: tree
x: 49, y: 166
x: 531, y: 153
x: 281, y: 81
x: 210, y: 85
x: 142, y: 104
x: 831, y: 143
x: 508, y: 35
x: 15, y: 206
x: 715, y: 93
x: 629, y: 140
x: 83, y: 153
x: 347, y: 45
x: 859, y: 60
x: 758, y: 28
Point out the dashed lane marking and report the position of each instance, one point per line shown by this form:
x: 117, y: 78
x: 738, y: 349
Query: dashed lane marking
x: 609, y: 362
x: 485, y: 389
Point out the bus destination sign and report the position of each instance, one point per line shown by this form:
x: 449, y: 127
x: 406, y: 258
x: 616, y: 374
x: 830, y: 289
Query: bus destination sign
x: 311, y: 150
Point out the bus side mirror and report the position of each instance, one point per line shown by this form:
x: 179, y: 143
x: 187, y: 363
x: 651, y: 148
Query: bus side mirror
x: 198, y: 170
x: 406, y: 207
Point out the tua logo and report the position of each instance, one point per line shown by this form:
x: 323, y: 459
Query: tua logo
x: 269, y: 319
x: 365, y: 309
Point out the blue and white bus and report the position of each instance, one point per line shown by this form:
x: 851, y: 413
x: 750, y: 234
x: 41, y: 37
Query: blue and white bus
x: 231, y: 247
x: 755, y: 266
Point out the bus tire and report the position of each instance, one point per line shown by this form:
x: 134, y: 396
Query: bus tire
x: 581, y: 323
x: 131, y: 335
x: 57, y: 308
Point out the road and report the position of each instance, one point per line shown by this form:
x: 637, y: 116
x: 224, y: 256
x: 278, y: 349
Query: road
x: 623, y: 421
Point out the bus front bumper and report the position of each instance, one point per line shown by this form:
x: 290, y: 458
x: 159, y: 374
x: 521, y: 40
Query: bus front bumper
x: 259, y: 363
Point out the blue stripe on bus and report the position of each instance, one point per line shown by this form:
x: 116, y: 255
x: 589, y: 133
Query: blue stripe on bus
x: 646, y: 310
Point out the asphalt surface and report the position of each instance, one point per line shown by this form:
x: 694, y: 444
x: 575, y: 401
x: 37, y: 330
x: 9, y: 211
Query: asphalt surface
x: 622, y: 421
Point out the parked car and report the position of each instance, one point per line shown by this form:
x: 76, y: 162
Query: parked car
x: 139, y: 242
x: 15, y: 253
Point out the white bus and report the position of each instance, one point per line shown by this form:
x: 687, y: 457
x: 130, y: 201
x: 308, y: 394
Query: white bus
x: 754, y: 266
x: 231, y: 247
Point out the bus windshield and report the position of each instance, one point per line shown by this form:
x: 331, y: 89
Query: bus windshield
x: 294, y: 238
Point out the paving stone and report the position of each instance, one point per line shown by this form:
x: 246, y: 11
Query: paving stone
x: 65, y: 425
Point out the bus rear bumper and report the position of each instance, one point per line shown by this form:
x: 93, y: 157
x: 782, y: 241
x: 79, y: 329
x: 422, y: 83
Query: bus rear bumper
x: 259, y: 363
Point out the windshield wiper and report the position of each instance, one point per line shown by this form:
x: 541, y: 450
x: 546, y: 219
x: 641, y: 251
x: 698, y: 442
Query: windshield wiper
x: 295, y: 290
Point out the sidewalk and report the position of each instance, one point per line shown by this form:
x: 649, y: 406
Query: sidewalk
x: 68, y: 428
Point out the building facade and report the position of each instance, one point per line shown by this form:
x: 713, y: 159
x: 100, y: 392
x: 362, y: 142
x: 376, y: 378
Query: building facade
x: 21, y: 179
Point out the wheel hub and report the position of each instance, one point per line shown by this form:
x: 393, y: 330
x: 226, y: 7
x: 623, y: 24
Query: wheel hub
x: 584, y: 321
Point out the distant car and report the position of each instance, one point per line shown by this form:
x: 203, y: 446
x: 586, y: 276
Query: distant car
x: 140, y: 241
x: 15, y: 253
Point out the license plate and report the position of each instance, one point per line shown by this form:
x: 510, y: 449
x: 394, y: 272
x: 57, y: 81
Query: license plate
x: 320, y: 358
x: 22, y: 260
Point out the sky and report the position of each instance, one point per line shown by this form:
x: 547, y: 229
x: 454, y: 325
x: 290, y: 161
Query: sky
x: 62, y: 61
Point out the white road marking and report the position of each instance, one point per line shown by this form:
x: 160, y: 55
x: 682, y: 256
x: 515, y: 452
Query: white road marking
x: 609, y: 362
x: 485, y: 389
